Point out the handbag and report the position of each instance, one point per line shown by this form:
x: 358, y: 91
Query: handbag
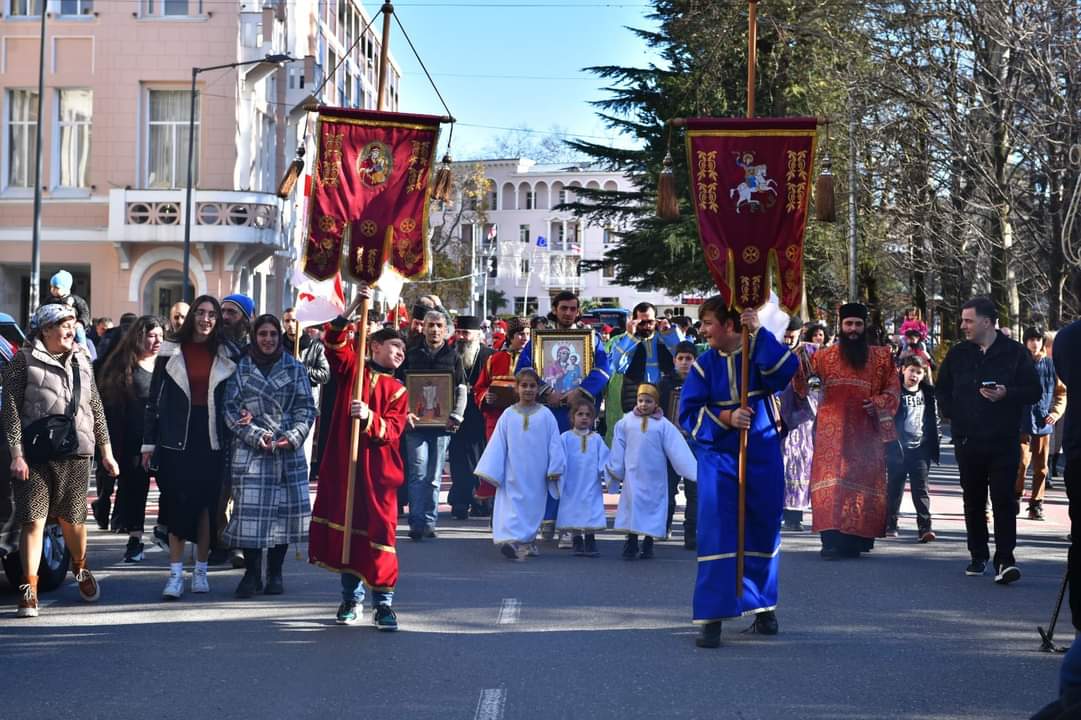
x: 54, y: 436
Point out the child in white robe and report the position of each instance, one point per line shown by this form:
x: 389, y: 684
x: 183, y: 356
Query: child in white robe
x: 642, y: 443
x: 581, y: 495
x: 524, y: 459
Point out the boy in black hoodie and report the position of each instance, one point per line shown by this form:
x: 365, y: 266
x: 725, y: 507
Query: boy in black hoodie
x: 916, y: 446
x: 672, y: 381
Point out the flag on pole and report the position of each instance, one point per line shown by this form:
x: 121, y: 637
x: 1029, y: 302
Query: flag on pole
x: 750, y: 183
x: 318, y: 301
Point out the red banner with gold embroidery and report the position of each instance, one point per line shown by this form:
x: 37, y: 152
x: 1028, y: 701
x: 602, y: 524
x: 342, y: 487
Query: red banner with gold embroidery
x: 751, y: 184
x: 370, y: 193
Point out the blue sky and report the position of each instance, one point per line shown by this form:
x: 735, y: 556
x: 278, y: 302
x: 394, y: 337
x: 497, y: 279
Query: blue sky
x: 470, y: 46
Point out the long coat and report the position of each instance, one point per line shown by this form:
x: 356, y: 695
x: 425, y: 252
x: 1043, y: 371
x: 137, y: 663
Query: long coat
x: 270, y: 489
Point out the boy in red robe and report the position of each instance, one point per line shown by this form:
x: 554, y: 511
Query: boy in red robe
x: 373, y: 517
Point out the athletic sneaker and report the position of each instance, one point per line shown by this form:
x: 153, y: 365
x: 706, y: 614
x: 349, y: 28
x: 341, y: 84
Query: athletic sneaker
x: 531, y: 550
x: 384, y: 619
x: 347, y: 613
x: 133, y: 553
x: 1007, y: 574
x: 88, y: 586
x: 28, y: 603
x: 174, y: 587
x: 976, y: 568
x: 199, y: 581
x: 565, y: 541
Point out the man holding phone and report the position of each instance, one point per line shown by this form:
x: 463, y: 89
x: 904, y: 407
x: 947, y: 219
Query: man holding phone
x: 983, y: 386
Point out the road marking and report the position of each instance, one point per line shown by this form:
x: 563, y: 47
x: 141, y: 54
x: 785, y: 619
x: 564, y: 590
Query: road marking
x: 491, y: 705
x: 509, y: 611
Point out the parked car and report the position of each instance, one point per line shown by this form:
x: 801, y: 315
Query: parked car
x: 55, y: 556
x: 615, y: 317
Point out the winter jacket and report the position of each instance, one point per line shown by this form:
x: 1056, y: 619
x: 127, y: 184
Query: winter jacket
x: 1052, y: 402
x: 1067, y: 356
x: 1006, y: 362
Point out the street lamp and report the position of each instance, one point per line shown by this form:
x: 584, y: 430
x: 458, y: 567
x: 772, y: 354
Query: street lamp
x: 271, y: 59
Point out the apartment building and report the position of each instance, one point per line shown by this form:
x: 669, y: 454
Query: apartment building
x: 115, y: 139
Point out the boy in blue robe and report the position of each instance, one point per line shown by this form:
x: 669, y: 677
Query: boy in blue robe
x: 710, y: 411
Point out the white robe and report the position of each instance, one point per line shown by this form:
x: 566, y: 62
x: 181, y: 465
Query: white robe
x: 523, y: 457
x: 581, y: 501
x: 640, y: 448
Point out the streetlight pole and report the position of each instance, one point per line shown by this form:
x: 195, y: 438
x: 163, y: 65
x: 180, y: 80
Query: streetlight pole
x: 276, y: 59
x: 35, y: 244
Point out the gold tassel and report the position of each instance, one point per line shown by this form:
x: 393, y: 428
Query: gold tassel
x: 289, y: 181
x: 441, y: 189
x: 667, y: 202
x: 825, y: 208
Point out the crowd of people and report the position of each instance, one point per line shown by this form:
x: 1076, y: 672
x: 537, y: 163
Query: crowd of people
x: 233, y: 414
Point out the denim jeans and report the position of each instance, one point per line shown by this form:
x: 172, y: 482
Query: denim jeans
x: 353, y: 589
x: 425, y: 455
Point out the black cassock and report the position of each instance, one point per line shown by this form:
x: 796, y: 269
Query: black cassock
x: 467, y: 445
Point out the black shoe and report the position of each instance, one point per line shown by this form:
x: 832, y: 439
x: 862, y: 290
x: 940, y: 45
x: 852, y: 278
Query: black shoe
x: 765, y: 623
x: 976, y: 568
x: 630, y: 548
x: 828, y: 553
x: 274, y: 585
x: 690, y: 542
x: 590, y: 549
x: 236, y: 558
x: 647, y: 549
x: 416, y: 535
x: 460, y: 512
x: 384, y: 619
x: 220, y: 556
x: 100, y: 508
x: 133, y: 553
x: 430, y: 534
x: 160, y: 536
x: 793, y: 525
x: 578, y: 545
x: 1035, y: 511
x: 1007, y: 573
x: 250, y: 584
x: 710, y: 637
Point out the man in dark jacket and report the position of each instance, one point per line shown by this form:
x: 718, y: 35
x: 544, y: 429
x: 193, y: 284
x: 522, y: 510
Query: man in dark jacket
x: 983, y: 386
x: 312, y: 356
x: 468, y: 443
x: 424, y: 447
x: 1067, y: 357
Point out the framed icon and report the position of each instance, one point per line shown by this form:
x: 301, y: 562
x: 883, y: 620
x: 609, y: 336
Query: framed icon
x: 672, y: 411
x: 563, y: 358
x: 431, y: 397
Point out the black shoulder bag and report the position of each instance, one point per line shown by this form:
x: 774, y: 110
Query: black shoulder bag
x: 54, y: 436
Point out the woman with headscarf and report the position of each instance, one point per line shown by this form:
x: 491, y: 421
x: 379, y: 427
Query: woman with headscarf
x: 270, y: 409
x: 50, y: 383
x: 182, y: 437
x: 125, y: 388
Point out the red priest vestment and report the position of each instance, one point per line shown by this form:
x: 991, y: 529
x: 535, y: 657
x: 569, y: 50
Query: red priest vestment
x: 373, y: 557
x: 848, y: 471
x: 500, y: 366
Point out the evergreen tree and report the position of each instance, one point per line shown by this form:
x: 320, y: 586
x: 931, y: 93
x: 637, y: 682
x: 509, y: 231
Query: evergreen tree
x: 802, y: 52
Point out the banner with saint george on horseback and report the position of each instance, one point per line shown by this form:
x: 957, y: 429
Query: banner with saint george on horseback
x: 751, y: 185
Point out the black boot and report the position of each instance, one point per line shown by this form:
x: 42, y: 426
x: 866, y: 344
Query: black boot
x: 710, y: 636
x: 630, y: 547
x: 765, y: 623
x: 252, y: 582
x: 274, y: 559
x: 647, y: 548
x: 590, y: 549
x: 578, y: 545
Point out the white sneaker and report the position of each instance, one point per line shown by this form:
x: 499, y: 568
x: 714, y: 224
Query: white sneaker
x: 531, y: 550
x: 199, y: 582
x: 565, y: 542
x: 174, y: 587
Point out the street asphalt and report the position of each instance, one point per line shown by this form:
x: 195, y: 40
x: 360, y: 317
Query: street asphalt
x: 901, y: 633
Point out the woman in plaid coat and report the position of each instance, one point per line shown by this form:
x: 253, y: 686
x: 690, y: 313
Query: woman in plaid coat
x: 269, y: 407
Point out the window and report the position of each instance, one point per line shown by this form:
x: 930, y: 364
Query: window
x: 493, y: 197
x: 558, y: 236
x: 74, y: 112
x: 493, y: 266
x: 525, y: 306
x: 609, y: 236
x: 530, y: 200
x: 23, y: 8
x: 523, y: 266
x: 22, y: 122
x: 167, y: 139
x: 76, y: 7
x: 490, y: 238
x: 172, y: 8
x: 608, y: 271
x: 523, y: 233
x: 562, y: 197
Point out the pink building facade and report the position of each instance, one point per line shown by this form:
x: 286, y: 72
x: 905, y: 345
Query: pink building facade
x: 115, y: 133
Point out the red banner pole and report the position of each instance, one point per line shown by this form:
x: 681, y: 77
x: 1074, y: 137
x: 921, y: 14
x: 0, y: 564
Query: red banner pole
x: 745, y: 359
x: 362, y: 326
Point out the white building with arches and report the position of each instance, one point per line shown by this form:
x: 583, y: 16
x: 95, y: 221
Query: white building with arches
x: 520, y: 209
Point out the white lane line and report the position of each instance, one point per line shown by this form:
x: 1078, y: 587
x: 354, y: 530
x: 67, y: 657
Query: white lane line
x: 491, y: 705
x: 509, y: 611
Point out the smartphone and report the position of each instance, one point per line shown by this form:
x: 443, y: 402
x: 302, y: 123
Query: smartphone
x: 989, y: 384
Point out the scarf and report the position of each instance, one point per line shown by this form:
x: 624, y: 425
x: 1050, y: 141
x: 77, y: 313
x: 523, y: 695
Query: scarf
x: 265, y: 361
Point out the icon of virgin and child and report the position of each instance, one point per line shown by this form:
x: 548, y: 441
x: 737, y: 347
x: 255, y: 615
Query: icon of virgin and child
x: 564, y: 369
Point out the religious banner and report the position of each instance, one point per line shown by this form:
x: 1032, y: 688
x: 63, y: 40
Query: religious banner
x: 370, y: 194
x: 751, y: 184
